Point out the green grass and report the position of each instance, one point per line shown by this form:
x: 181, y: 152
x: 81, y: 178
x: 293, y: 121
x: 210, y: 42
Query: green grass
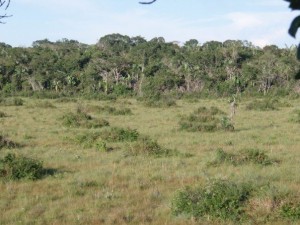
x: 131, y: 171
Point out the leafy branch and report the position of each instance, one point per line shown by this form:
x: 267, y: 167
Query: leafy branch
x: 5, y: 4
x: 295, y: 5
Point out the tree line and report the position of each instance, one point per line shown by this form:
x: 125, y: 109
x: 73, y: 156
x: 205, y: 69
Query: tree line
x: 122, y: 65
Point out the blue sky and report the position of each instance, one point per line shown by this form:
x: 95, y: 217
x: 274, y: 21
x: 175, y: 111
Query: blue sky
x: 262, y: 22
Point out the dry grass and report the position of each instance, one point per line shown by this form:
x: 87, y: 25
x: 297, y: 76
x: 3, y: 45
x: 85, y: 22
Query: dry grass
x: 93, y: 187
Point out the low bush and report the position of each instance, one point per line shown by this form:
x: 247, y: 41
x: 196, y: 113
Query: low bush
x: 206, y: 120
x: 219, y: 199
x: 14, y: 167
x: 82, y: 119
x: 254, y: 156
x: 291, y: 211
x: 146, y: 146
x: 92, y: 140
x: 2, y: 114
x: 119, y: 134
x: 6, y: 143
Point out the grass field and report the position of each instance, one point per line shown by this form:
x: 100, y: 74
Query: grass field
x: 100, y: 181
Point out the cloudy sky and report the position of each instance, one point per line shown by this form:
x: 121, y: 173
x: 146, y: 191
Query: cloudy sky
x: 261, y: 22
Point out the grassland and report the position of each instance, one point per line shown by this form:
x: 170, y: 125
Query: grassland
x: 88, y: 184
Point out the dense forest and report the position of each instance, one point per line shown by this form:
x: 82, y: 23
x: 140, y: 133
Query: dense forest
x: 122, y: 65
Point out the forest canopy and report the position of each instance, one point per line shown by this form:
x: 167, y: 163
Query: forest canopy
x: 122, y: 65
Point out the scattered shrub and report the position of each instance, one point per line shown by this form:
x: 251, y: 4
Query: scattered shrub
x: 219, y: 199
x: 206, y: 120
x: 14, y: 167
x: 5, y: 143
x: 254, y: 156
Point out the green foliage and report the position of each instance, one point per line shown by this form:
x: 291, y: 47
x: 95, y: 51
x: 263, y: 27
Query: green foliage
x: 253, y: 156
x: 14, y: 167
x: 295, y: 5
x: 291, y: 211
x: 219, y: 200
x: 206, y: 120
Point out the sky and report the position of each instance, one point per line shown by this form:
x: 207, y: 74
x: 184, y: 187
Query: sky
x: 262, y: 22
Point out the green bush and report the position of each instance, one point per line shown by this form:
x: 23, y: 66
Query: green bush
x: 82, y: 119
x: 5, y: 143
x: 14, y: 167
x: 254, y: 156
x: 146, y: 146
x: 119, y: 134
x: 220, y: 200
x: 291, y: 211
x: 206, y: 120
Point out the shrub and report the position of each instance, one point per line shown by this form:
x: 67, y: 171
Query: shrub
x: 92, y: 140
x: 2, y: 114
x: 148, y: 147
x: 220, y: 200
x: 254, y: 156
x: 82, y: 119
x: 206, y: 120
x: 119, y: 134
x: 14, y: 167
x: 5, y: 143
x: 291, y: 211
